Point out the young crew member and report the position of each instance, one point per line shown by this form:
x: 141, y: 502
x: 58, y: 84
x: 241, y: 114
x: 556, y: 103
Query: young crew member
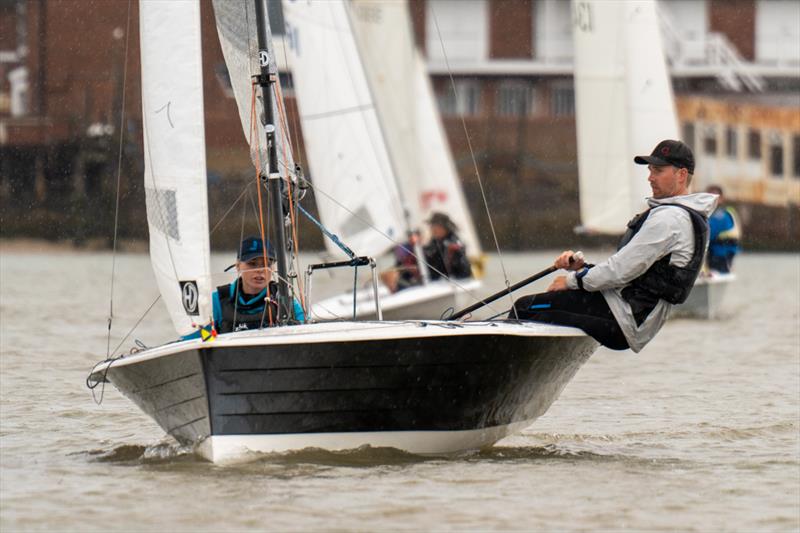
x: 623, y: 301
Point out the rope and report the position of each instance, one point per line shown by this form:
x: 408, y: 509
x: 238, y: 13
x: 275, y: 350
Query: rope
x: 474, y: 161
x: 119, y: 175
x: 332, y: 236
x: 254, y: 128
x: 296, y: 260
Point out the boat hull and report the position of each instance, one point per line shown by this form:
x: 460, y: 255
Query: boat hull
x: 706, y: 301
x: 432, y: 390
x: 421, y: 302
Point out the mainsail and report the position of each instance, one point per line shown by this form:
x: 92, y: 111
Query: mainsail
x: 236, y: 26
x: 354, y: 181
x: 403, y: 96
x: 175, y: 163
x: 624, y: 106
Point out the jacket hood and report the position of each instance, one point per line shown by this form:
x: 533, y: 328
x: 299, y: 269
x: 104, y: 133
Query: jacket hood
x: 702, y: 202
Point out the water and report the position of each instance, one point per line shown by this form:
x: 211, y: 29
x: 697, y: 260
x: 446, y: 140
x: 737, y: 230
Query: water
x: 697, y: 432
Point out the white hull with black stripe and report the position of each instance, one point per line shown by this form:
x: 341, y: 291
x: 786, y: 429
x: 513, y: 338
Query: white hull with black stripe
x: 423, y: 387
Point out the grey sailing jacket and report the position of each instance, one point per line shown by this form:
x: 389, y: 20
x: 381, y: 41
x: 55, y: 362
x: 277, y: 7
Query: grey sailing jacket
x: 667, y: 230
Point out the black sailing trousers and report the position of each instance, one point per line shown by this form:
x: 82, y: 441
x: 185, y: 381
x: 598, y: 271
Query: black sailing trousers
x: 580, y: 309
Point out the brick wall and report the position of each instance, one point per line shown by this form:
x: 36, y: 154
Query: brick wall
x: 511, y: 29
x: 736, y: 19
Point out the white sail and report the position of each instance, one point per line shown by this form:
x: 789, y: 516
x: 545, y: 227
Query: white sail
x: 406, y: 107
x: 236, y: 27
x: 175, y: 163
x: 439, y: 185
x: 354, y: 182
x: 624, y: 106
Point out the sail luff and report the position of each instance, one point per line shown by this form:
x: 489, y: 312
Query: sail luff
x: 349, y: 165
x: 388, y: 69
x: 439, y: 185
x: 624, y: 106
x: 651, y: 105
x: 601, y: 111
x: 175, y: 166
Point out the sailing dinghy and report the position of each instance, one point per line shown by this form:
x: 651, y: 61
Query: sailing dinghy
x: 420, y: 386
x: 625, y: 106
x: 376, y: 147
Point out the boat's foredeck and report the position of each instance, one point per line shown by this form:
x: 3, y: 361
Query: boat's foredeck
x: 329, y: 332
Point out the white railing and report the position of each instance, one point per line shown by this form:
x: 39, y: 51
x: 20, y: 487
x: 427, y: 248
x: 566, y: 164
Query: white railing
x: 713, y: 52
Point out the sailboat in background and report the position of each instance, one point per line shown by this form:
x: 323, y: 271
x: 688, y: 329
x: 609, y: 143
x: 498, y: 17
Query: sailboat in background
x: 424, y: 387
x: 625, y: 106
x: 374, y: 138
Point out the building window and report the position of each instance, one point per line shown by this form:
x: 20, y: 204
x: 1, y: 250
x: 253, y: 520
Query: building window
x: 463, y: 26
x: 688, y: 134
x: 796, y: 156
x: 563, y: 101
x: 710, y: 141
x: 776, y: 160
x: 465, y: 100
x: 731, y: 139
x: 754, y: 144
x: 514, y: 99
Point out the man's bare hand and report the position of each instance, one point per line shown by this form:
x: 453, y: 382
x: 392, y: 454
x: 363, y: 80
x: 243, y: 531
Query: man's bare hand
x: 559, y: 284
x: 563, y: 261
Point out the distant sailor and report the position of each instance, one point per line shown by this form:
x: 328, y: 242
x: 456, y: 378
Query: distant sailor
x: 445, y: 255
x: 725, y: 233
x: 623, y: 301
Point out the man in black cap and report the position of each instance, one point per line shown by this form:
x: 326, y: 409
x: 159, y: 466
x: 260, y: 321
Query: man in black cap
x: 445, y: 254
x: 249, y: 302
x: 623, y: 301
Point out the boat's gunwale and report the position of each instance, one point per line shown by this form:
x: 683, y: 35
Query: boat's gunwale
x: 345, y: 331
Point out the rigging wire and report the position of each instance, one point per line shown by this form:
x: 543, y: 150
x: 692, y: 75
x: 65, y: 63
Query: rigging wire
x: 472, y: 155
x: 119, y: 179
x: 254, y: 133
x: 372, y: 226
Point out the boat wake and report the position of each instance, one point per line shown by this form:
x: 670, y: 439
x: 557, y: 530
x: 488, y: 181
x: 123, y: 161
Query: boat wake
x: 161, y: 452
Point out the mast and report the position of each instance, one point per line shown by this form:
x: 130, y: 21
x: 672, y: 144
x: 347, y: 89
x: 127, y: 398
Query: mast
x: 266, y: 81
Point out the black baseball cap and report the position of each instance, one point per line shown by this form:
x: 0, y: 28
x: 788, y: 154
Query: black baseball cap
x: 669, y: 152
x: 253, y: 247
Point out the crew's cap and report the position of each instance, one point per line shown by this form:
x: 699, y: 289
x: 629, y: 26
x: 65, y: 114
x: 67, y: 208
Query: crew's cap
x: 254, y: 247
x: 669, y: 152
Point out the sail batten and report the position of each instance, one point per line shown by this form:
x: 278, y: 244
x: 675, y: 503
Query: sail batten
x: 175, y: 164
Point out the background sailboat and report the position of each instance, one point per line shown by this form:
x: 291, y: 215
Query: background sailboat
x: 624, y: 107
x: 332, y: 385
x: 395, y: 167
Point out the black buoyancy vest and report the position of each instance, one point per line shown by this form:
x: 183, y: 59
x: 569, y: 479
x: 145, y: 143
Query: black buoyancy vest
x: 237, y: 317
x: 663, y: 281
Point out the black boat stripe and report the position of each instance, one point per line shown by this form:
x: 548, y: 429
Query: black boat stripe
x: 364, y: 389
x: 331, y: 411
x: 338, y: 367
x: 179, y: 403
x: 184, y: 425
x: 137, y: 391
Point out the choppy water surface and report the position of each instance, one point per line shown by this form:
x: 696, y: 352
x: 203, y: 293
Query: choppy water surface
x: 698, y: 432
